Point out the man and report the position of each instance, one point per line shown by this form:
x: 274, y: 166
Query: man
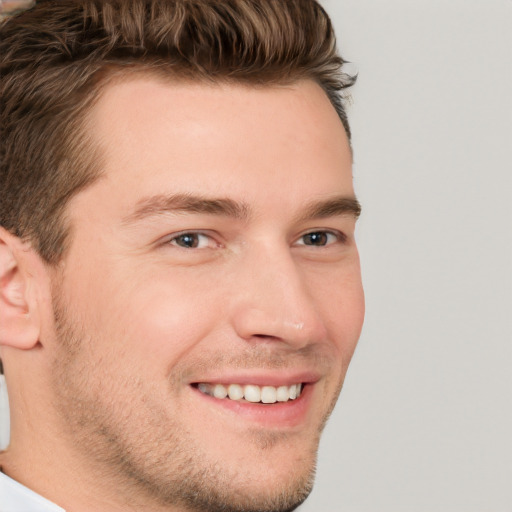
x: 180, y: 285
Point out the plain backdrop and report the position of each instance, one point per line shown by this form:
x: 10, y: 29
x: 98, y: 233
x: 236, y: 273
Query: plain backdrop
x: 424, y: 423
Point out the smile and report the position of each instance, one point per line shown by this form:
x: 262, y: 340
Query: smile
x: 251, y: 393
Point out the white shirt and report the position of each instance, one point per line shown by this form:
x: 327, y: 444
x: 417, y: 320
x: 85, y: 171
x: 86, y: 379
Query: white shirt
x: 15, y: 497
x: 4, y: 412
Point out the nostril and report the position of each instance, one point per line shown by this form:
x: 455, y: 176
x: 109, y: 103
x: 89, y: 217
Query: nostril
x: 277, y: 323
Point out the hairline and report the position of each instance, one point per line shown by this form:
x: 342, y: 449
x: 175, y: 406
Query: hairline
x: 89, y: 152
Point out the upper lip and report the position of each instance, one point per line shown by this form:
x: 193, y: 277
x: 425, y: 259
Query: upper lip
x: 274, y: 378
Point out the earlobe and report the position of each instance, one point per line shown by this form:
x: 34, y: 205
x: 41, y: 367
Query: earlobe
x: 19, y: 315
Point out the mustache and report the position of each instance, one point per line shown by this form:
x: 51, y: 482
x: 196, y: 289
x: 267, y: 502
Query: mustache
x: 262, y: 356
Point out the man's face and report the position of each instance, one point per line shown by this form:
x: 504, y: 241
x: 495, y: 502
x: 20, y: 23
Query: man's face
x: 216, y: 254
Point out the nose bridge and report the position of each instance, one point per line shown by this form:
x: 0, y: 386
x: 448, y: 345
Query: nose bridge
x: 276, y: 302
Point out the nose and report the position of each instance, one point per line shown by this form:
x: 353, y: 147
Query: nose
x: 274, y: 301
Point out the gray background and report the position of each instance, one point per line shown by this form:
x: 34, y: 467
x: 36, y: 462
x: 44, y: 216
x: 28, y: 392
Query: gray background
x: 424, y: 423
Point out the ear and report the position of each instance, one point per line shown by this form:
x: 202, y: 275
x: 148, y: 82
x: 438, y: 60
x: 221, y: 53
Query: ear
x: 19, y: 310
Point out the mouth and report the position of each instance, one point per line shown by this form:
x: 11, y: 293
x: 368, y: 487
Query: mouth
x: 274, y: 405
x: 280, y: 400
x: 251, y: 393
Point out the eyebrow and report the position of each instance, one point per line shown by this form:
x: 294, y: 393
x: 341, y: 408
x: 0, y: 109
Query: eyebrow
x: 337, y: 206
x: 187, y: 203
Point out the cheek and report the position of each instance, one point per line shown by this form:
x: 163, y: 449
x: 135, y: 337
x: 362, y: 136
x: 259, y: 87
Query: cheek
x: 353, y: 317
x: 156, y: 320
x: 343, y: 308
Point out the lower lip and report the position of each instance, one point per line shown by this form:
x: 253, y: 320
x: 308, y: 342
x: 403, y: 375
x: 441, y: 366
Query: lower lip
x: 279, y: 415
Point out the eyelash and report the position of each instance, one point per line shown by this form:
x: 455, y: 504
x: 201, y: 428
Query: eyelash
x: 194, y: 237
x: 339, y: 237
x: 191, y: 234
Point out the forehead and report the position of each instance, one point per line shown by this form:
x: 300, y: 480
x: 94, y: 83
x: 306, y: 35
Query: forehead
x: 158, y: 136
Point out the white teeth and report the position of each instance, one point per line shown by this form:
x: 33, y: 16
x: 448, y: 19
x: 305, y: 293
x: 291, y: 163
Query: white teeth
x: 283, y: 394
x: 235, y: 392
x: 204, y: 388
x: 268, y: 395
x: 219, y: 391
x: 252, y: 393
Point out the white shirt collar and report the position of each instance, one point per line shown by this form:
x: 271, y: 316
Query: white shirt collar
x: 15, y: 497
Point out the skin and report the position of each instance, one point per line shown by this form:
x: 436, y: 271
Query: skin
x: 103, y: 352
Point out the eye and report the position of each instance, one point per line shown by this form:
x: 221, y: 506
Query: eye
x: 191, y: 240
x: 321, y: 238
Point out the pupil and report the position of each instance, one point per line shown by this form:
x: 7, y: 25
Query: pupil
x: 189, y: 241
x: 316, y: 239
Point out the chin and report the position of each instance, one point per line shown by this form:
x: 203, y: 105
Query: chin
x: 256, y: 496
x: 271, y: 479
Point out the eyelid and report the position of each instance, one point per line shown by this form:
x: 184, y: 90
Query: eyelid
x: 340, y: 238
x: 169, y: 239
x: 339, y: 235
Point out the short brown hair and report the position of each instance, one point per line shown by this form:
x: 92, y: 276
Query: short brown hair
x: 55, y: 57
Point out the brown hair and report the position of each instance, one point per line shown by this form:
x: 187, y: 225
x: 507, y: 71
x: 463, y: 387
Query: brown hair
x: 55, y: 57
